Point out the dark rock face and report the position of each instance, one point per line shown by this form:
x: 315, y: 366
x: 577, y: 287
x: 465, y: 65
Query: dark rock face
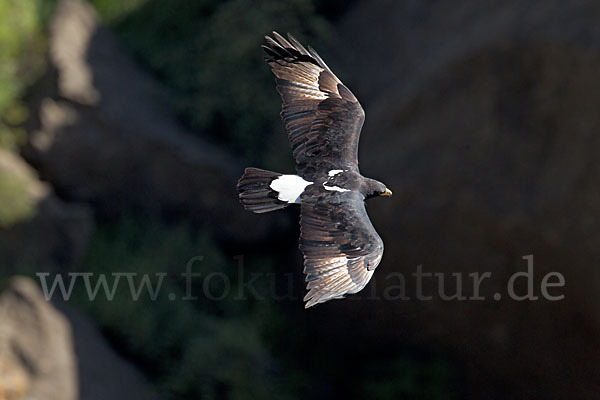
x: 54, y: 237
x: 483, y: 121
x: 102, y: 136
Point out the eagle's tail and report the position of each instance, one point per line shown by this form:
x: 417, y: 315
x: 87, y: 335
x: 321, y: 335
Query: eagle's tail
x: 256, y: 193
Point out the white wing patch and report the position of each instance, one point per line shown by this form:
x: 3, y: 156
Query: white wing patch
x: 335, y: 188
x: 289, y: 188
x: 331, y: 174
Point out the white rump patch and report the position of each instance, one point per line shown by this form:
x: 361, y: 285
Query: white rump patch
x: 335, y: 188
x: 289, y: 188
x: 334, y: 172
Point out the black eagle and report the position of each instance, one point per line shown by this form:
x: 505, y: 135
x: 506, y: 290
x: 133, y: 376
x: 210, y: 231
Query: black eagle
x: 323, y: 120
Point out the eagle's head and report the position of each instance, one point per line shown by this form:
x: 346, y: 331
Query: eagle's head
x: 375, y: 188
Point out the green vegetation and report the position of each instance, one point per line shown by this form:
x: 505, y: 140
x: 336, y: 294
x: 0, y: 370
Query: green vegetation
x: 227, y: 348
x: 114, y: 10
x: 407, y: 378
x: 15, y: 199
x: 194, y: 349
x: 207, y: 54
x: 22, y: 45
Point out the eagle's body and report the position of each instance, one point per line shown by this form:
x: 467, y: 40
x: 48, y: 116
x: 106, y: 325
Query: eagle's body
x: 323, y: 119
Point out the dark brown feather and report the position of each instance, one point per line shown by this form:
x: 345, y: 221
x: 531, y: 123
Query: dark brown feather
x: 323, y: 120
x: 340, y: 246
x: 322, y: 116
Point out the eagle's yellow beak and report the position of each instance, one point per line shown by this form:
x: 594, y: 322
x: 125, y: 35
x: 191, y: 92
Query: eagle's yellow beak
x: 387, y: 193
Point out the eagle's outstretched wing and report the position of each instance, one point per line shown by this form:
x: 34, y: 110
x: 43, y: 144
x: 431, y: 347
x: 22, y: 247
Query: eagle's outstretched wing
x: 340, y: 246
x: 322, y: 117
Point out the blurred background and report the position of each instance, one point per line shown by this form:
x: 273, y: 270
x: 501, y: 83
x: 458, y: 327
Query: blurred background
x: 124, y: 125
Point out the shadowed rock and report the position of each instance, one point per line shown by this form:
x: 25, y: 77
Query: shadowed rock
x: 38, y: 230
x: 102, y: 135
x: 483, y: 120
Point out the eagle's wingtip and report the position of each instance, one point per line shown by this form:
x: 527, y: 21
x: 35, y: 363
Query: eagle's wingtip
x: 310, y: 299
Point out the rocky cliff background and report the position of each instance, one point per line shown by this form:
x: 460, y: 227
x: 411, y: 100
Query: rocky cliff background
x: 125, y: 124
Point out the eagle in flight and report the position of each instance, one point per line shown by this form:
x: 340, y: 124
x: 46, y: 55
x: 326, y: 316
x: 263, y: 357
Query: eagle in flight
x: 323, y: 120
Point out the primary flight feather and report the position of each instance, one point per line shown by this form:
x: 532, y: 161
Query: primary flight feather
x: 323, y: 120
